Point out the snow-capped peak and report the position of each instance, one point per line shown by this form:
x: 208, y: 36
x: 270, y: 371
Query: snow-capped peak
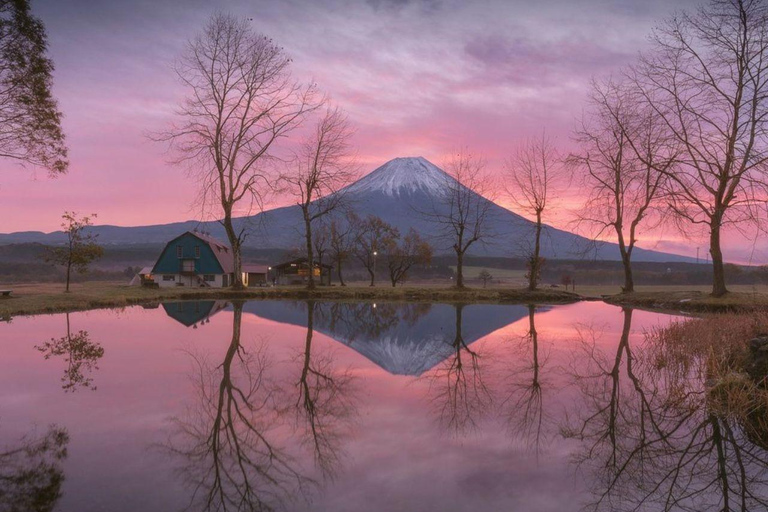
x: 406, y: 174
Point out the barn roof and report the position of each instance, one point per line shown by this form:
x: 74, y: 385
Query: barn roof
x: 222, y: 251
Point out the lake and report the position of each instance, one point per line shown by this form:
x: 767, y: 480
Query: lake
x: 334, y: 406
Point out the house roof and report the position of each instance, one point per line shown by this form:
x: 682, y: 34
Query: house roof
x: 255, y: 269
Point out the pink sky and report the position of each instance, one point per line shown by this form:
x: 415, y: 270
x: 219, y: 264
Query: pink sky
x: 416, y: 78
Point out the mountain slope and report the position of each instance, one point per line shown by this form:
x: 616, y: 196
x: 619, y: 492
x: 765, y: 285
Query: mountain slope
x: 399, y: 192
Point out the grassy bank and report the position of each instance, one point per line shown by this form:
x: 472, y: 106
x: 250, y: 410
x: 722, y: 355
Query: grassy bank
x: 50, y: 298
x: 675, y: 299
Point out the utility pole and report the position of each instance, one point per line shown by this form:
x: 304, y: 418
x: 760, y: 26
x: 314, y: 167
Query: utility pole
x: 375, y: 253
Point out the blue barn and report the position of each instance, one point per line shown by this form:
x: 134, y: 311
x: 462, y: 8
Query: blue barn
x: 195, y: 259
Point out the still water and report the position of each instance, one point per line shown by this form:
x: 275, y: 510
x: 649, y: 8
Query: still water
x: 360, y: 406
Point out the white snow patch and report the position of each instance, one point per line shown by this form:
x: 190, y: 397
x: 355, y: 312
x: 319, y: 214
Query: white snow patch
x: 408, y: 174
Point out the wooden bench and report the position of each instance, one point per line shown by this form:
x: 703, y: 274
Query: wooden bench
x: 6, y: 293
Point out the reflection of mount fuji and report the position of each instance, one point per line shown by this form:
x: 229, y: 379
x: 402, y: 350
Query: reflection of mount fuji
x: 403, y: 339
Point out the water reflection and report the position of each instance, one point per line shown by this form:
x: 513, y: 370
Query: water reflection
x: 81, y: 356
x: 403, y: 339
x: 230, y: 451
x: 342, y: 406
x: 235, y: 443
x: 31, y: 473
x: 458, y: 390
x: 659, y: 442
x: 523, y: 403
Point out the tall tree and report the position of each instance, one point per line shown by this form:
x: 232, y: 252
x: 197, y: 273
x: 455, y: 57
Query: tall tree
x: 401, y: 257
x: 532, y: 174
x: 706, y: 76
x: 242, y: 101
x: 30, y: 121
x: 373, y: 236
x: 462, y: 214
x: 80, y: 249
x: 321, y: 169
x: 625, y: 155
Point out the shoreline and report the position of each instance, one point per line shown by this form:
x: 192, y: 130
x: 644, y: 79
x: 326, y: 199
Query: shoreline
x: 50, y: 299
x: 86, y: 298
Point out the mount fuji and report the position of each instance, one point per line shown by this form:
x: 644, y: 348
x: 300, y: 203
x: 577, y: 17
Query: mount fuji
x: 397, y: 191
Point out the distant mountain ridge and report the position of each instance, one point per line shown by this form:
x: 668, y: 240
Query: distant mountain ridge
x: 396, y: 191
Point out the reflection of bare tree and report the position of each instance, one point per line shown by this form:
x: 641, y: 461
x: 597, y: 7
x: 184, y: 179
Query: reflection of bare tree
x: 325, y: 406
x: 31, y: 474
x: 458, y: 389
x: 653, y: 439
x: 80, y: 354
x: 524, y: 404
x: 233, y: 459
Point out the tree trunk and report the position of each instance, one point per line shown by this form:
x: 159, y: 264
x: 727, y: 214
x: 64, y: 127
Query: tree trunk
x: 234, y: 242
x: 718, y: 268
x: 310, y: 255
x: 534, y: 273
x: 534, y: 335
x: 629, y: 282
x: 338, y: 267
x: 69, y: 271
x: 459, y: 269
x: 373, y: 276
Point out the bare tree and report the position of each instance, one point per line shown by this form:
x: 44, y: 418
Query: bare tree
x: 462, y: 214
x: 625, y: 155
x: 706, y: 77
x: 342, y: 239
x: 241, y: 101
x: 373, y: 235
x: 322, y: 167
x: 532, y: 173
x: 411, y: 250
x: 30, y: 121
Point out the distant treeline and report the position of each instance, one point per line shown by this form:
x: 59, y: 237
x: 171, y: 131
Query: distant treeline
x: 23, y: 263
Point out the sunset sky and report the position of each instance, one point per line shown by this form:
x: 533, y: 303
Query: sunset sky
x: 416, y: 78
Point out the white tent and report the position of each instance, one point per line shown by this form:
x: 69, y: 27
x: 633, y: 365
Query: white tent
x: 136, y: 281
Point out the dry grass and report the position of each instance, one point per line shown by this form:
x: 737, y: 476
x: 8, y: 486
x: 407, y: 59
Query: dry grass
x: 736, y: 377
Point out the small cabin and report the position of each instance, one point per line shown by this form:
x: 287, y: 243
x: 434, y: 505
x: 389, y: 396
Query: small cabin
x: 297, y: 272
x: 257, y: 274
x: 195, y: 259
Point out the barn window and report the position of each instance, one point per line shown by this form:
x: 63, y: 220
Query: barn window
x: 169, y: 277
x: 197, y: 251
x: 209, y: 277
x: 179, y: 251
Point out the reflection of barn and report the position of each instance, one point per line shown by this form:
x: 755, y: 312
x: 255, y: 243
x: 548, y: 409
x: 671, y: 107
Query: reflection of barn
x: 191, y: 313
x: 297, y: 272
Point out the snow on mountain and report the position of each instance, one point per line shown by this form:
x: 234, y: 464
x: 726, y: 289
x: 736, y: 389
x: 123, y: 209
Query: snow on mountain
x: 406, y: 174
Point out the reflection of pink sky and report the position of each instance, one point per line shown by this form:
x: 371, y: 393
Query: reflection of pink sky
x: 396, y: 454
x: 417, y: 78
